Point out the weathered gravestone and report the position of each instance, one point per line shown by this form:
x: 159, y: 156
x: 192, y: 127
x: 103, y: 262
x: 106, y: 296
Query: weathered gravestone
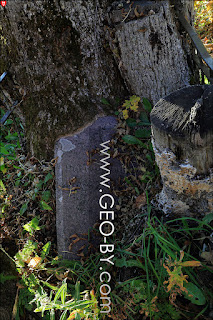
x: 78, y: 178
x: 182, y: 127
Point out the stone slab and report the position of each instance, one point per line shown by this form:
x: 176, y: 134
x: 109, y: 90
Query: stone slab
x: 77, y: 212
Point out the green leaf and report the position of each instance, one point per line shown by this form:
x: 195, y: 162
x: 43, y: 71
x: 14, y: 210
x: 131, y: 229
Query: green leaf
x: 17, y: 183
x: 11, y: 137
x: 134, y: 99
x: 8, y: 122
x: 18, y: 145
x: 24, y: 207
x: 11, y: 157
x: 2, y: 187
x: 20, y: 260
x: 126, y: 104
x: 46, y: 195
x: 144, y: 118
x: 131, y: 122
x: 77, y: 291
x: 48, y: 177
x: 117, y: 101
x: 16, y: 167
x: 138, y: 284
x: 45, y: 206
x: 195, y: 295
x: 32, y: 226
x: 64, y: 294
x: 147, y: 105
x: 128, y: 263
x: 78, y: 316
x: 78, y: 305
x: 137, y: 190
x: 39, y: 185
x: 4, y: 151
x: 64, y: 315
x: 143, y: 133
x: 47, y: 284
x: 60, y: 290
x: 149, y: 158
x: 104, y: 101
x: 3, y: 169
x: 4, y: 277
x: 208, y: 218
x: 52, y: 314
x: 45, y: 250
x: 117, y: 113
x: 131, y: 139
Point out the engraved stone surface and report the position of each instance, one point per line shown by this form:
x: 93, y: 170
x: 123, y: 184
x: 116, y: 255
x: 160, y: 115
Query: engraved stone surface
x: 78, y: 181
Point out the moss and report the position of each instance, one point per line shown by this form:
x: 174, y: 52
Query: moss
x: 46, y: 34
x: 58, y: 99
x: 8, y: 46
x: 55, y: 36
x: 41, y: 138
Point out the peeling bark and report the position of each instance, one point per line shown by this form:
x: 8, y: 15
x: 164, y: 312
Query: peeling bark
x: 183, y: 146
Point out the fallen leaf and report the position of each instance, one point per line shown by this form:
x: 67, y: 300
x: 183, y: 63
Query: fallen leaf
x: 140, y: 201
x: 34, y: 262
x: 208, y: 256
x: 191, y: 264
x: 142, y: 30
x: 138, y: 14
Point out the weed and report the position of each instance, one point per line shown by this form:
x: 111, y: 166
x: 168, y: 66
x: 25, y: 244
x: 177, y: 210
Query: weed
x: 156, y: 263
x: 176, y: 278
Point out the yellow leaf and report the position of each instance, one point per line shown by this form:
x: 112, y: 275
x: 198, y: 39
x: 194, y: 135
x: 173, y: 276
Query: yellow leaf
x: 210, y: 6
x: 1, y: 161
x: 34, y: 262
x: 103, y: 295
x: 125, y: 114
x: 134, y: 107
x: 181, y: 255
x: 72, y: 315
x: 191, y: 263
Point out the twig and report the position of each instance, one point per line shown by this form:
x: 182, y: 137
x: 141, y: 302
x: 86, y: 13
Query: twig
x: 7, y: 254
x: 128, y: 13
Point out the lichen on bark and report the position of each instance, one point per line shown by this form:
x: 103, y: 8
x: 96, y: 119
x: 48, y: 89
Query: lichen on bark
x: 55, y: 52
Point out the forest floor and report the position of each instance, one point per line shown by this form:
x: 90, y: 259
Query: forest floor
x: 204, y: 23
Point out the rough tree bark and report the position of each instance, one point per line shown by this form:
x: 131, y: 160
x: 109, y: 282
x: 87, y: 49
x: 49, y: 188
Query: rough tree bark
x: 66, y: 55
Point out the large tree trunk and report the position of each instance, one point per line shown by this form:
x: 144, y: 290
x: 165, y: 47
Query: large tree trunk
x: 56, y: 52
x: 61, y: 52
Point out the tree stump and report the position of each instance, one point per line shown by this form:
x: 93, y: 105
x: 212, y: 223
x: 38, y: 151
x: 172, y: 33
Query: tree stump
x: 182, y: 128
x: 148, y: 48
